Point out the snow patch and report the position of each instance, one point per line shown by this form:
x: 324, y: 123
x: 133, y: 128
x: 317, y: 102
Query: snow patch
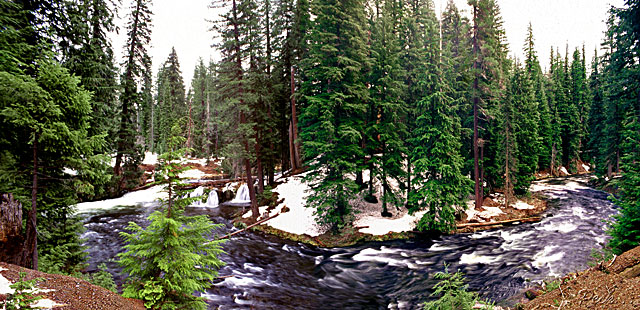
x: 192, y: 174
x: 299, y: 219
x: 481, y: 216
x: 382, y: 226
x: 138, y: 198
x: 150, y: 158
x: 564, y: 171
x: 521, y: 205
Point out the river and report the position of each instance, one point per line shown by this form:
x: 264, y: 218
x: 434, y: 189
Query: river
x: 270, y: 273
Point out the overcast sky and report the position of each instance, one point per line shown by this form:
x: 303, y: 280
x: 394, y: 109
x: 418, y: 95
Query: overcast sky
x: 183, y: 25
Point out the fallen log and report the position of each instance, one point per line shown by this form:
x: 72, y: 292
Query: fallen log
x: 523, y: 220
x: 248, y: 227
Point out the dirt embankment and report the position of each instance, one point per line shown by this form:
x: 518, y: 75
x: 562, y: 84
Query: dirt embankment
x: 610, y: 285
x: 72, y: 293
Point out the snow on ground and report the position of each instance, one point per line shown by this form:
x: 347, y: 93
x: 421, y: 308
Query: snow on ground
x: 192, y: 174
x: 150, y: 158
x: 5, y: 288
x: 481, y: 216
x: 299, y: 219
x: 521, y: 205
x: 138, y: 198
x: 378, y: 225
x: 564, y: 171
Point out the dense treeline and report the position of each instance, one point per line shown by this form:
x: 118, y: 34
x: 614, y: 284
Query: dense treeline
x: 432, y: 110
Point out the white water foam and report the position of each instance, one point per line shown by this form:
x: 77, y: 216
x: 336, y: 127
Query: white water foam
x: 473, y: 258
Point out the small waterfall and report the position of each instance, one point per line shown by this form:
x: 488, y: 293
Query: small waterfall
x: 212, y: 201
x: 197, y: 192
x: 242, y: 196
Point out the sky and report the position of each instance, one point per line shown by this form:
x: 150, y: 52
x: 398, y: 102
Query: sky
x: 183, y: 25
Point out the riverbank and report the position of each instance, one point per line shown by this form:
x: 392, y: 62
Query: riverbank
x: 65, y: 293
x: 612, y: 284
x: 294, y: 221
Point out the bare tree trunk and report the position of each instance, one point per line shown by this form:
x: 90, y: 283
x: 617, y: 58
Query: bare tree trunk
x: 11, y: 239
x: 293, y: 137
x: 30, y: 254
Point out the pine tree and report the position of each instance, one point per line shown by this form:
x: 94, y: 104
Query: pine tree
x: 535, y: 76
x: 418, y: 33
x: 490, y: 65
x: 91, y: 58
x: 238, y: 29
x: 172, y: 258
x: 51, y: 112
x: 597, y: 118
x: 622, y: 69
x: 384, y: 129
x: 440, y: 186
x: 335, y: 95
x: 171, y: 103
x: 128, y: 154
x: 456, y: 47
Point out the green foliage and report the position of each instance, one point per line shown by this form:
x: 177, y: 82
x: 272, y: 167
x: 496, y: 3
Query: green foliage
x: 61, y: 249
x: 174, y: 256
x: 452, y: 293
x: 101, y: 278
x: 23, y: 296
x: 335, y: 95
x: 599, y: 256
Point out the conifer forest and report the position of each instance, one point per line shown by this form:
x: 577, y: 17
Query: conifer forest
x: 348, y: 117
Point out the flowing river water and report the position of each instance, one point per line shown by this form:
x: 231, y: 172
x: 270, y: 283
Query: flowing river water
x: 270, y: 273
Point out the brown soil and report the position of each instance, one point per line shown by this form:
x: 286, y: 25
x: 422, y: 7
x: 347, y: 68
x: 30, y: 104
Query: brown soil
x: 73, y: 293
x: 610, y: 285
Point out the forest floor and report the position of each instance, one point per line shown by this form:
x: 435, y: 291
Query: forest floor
x: 612, y: 284
x: 64, y: 292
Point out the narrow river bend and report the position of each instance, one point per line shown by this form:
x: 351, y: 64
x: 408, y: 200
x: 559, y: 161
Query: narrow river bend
x: 269, y: 273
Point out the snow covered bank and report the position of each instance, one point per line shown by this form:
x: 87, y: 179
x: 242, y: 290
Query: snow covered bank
x: 298, y: 219
x: 142, y: 198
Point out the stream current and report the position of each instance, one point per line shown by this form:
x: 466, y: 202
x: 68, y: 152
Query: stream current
x: 270, y: 273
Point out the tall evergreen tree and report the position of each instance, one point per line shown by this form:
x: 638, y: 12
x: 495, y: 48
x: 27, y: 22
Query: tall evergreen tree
x: 335, y: 94
x: 419, y: 32
x: 384, y: 129
x: 597, y: 118
x: 622, y: 68
x: 538, y: 80
x: 136, y: 63
x: 171, y: 102
x: 238, y: 29
x: 91, y: 58
x: 490, y: 65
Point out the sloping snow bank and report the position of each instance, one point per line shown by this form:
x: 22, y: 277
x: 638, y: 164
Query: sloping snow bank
x: 138, y: 198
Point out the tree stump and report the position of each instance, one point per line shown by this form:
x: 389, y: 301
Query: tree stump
x: 11, y: 238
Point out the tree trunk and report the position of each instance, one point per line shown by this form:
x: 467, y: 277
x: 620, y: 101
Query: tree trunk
x: 11, y: 239
x: 293, y: 140
x: 30, y: 254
